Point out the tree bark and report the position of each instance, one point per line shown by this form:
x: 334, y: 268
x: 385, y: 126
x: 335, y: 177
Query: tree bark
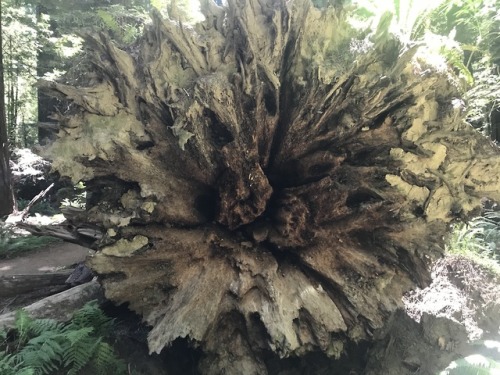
x: 60, y: 306
x: 19, y: 284
x: 6, y: 192
x: 268, y: 182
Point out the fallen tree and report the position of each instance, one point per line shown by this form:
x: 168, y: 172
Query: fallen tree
x: 59, y: 306
x: 269, y: 182
x: 11, y: 286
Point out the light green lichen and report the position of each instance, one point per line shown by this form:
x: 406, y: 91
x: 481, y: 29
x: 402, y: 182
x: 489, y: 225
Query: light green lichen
x: 126, y: 248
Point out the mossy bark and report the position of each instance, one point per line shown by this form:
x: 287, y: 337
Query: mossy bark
x: 268, y: 181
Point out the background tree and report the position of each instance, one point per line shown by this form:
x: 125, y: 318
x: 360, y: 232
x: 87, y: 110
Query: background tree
x: 40, y: 40
x: 20, y: 43
x: 6, y: 194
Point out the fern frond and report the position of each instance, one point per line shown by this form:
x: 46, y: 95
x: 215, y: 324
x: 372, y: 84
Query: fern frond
x: 8, y: 366
x: 38, y: 326
x: 25, y: 371
x: 90, y: 315
x: 108, y: 20
x: 475, y: 364
x: 43, y: 353
x: 106, y: 362
x: 46, y: 346
x: 22, y: 324
x: 7, y: 361
x: 81, y: 349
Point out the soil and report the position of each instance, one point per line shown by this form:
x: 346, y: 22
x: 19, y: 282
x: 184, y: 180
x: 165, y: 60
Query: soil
x: 463, y: 291
x: 450, y: 319
x: 45, y: 259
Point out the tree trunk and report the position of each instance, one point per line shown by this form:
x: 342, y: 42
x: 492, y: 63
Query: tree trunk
x: 269, y: 183
x: 6, y: 193
x: 47, y: 60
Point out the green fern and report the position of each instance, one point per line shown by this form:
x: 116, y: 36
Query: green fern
x: 91, y: 315
x: 38, y: 326
x: 22, y: 325
x: 104, y: 361
x: 43, y: 353
x: 81, y: 349
x: 108, y: 20
x: 13, y: 244
x: 47, y: 347
x: 9, y: 366
x: 475, y: 364
x: 455, y: 57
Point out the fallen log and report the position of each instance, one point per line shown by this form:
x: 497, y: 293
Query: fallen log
x: 269, y: 182
x: 19, y: 284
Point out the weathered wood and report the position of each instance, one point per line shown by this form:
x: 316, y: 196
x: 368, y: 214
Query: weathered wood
x: 39, y: 196
x: 60, y: 306
x: 83, y: 235
x: 268, y: 181
x: 19, y: 284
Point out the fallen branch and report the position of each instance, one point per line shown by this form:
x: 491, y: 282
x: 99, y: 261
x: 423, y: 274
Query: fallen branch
x: 39, y: 196
x: 19, y: 216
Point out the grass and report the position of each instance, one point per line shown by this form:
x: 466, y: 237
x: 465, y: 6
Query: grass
x: 13, y: 243
x: 478, y: 240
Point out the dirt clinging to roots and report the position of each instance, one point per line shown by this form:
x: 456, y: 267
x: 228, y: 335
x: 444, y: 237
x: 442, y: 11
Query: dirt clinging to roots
x: 463, y: 291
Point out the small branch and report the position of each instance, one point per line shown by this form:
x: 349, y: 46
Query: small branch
x: 42, y: 194
x: 48, y: 125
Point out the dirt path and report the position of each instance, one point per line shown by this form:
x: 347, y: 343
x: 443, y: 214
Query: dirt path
x: 46, y: 259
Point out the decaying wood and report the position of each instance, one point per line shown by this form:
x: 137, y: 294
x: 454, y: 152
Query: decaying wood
x: 60, y: 306
x: 269, y: 182
x: 19, y: 284
x: 84, y: 235
x: 24, y: 213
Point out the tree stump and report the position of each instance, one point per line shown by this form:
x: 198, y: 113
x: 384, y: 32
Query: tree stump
x: 270, y: 180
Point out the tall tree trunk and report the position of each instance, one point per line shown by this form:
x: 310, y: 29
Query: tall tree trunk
x: 47, y: 60
x: 268, y: 183
x: 6, y: 192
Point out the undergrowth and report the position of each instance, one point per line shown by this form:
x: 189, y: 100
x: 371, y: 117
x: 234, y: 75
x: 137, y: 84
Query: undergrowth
x: 478, y: 240
x: 477, y: 364
x: 13, y: 243
x: 47, y: 347
x: 43, y: 207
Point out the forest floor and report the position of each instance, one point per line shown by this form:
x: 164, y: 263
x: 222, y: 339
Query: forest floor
x: 49, y: 258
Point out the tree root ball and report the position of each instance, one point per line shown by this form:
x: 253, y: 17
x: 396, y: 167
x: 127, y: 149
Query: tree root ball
x: 268, y: 180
